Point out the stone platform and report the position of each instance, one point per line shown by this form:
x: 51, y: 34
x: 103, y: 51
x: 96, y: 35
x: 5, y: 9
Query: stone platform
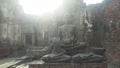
x: 69, y: 65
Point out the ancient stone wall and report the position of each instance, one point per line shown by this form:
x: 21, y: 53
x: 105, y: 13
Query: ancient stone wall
x: 112, y: 10
x: 112, y: 40
x: 9, y: 24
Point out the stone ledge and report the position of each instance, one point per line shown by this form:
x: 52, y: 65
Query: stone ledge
x: 69, y: 65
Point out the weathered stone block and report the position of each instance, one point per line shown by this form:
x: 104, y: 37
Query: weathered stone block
x: 69, y: 65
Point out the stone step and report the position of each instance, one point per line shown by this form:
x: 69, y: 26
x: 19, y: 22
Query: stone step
x: 10, y: 63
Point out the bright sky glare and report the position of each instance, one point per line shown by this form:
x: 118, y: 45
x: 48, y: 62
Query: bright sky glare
x: 38, y: 7
x: 92, y: 1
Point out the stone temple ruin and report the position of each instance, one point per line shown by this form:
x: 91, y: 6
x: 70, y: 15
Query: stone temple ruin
x: 68, y: 44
